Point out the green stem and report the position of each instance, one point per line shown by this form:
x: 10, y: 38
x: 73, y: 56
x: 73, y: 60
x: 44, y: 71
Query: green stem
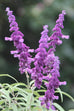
x: 27, y: 76
x: 28, y: 86
x: 31, y: 98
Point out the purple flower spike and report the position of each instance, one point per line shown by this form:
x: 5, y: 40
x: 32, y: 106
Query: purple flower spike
x: 57, y: 34
x: 37, y: 74
x: 22, y: 51
x: 51, y: 63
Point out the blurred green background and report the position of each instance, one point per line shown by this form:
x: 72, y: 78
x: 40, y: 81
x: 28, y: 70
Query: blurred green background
x: 31, y: 15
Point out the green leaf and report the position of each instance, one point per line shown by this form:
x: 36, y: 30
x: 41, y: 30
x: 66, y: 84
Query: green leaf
x: 7, y: 87
x: 58, y: 107
x: 42, y: 87
x: 7, y: 75
x: 28, y: 90
x: 38, y: 103
x: 36, y: 93
x: 32, y: 82
x: 66, y: 94
x: 71, y: 110
x: 5, y: 94
x: 19, y: 84
x: 29, y: 99
x: 23, y: 104
x: 20, y: 90
x: 44, y: 81
x: 19, y: 98
x: 14, y: 107
x: 1, y: 101
x: 61, y: 95
x: 41, y: 90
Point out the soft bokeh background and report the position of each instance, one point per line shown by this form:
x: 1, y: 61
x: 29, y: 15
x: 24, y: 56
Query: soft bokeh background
x: 31, y: 15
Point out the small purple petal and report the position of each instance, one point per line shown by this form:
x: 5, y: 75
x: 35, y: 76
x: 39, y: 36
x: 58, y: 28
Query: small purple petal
x: 8, y: 39
x: 63, y: 83
x: 65, y: 36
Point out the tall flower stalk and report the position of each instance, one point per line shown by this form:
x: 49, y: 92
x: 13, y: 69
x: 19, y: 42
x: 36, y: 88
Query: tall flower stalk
x: 22, y: 51
x: 46, y: 64
x: 51, y: 64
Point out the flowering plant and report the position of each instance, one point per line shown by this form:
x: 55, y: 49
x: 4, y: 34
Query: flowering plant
x: 45, y: 71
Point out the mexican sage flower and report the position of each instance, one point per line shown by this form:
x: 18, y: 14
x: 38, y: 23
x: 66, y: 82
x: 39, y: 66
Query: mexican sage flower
x: 46, y: 64
x: 22, y: 51
x: 51, y: 64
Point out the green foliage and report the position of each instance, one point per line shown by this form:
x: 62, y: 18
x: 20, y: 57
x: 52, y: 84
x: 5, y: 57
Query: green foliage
x: 7, y: 75
x: 63, y: 93
x: 58, y: 107
x: 18, y: 97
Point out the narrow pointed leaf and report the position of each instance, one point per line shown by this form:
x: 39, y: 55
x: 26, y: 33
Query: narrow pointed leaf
x: 58, y: 107
x: 7, y: 75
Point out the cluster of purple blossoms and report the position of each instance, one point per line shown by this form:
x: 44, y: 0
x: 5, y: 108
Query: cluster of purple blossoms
x: 51, y: 64
x: 22, y: 51
x: 41, y: 53
x: 46, y: 64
